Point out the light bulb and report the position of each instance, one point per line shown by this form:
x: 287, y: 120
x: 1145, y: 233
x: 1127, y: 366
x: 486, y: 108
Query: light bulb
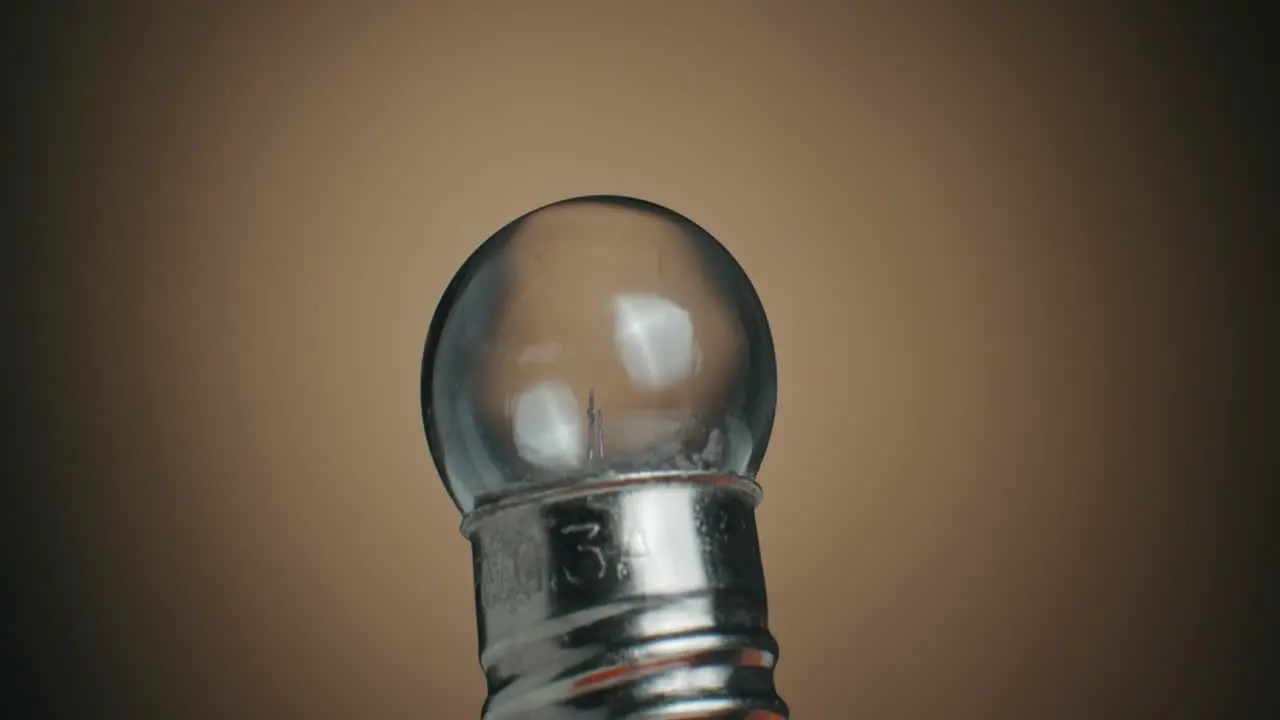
x: 598, y: 391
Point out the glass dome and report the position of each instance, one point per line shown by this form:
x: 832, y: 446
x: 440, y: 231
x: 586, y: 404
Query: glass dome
x: 598, y: 337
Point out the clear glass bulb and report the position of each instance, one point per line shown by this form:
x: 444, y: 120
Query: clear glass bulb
x: 596, y: 338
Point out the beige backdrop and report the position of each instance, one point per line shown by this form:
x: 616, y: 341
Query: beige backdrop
x: 982, y: 236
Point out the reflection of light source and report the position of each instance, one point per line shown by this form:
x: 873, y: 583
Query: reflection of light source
x: 598, y: 391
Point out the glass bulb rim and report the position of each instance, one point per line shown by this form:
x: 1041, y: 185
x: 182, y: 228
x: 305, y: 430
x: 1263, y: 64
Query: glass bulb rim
x: 608, y: 483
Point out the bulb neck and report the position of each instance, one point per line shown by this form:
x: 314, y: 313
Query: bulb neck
x: 642, y: 598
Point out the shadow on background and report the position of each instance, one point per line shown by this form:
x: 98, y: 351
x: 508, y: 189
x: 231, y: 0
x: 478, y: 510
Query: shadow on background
x: 1007, y: 254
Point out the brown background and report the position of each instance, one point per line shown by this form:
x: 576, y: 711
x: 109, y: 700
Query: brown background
x: 994, y: 244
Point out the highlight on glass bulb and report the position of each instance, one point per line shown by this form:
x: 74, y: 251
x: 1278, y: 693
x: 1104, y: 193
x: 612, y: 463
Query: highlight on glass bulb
x: 597, y: 338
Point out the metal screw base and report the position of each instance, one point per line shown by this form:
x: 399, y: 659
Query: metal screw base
x: 636, y: 598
